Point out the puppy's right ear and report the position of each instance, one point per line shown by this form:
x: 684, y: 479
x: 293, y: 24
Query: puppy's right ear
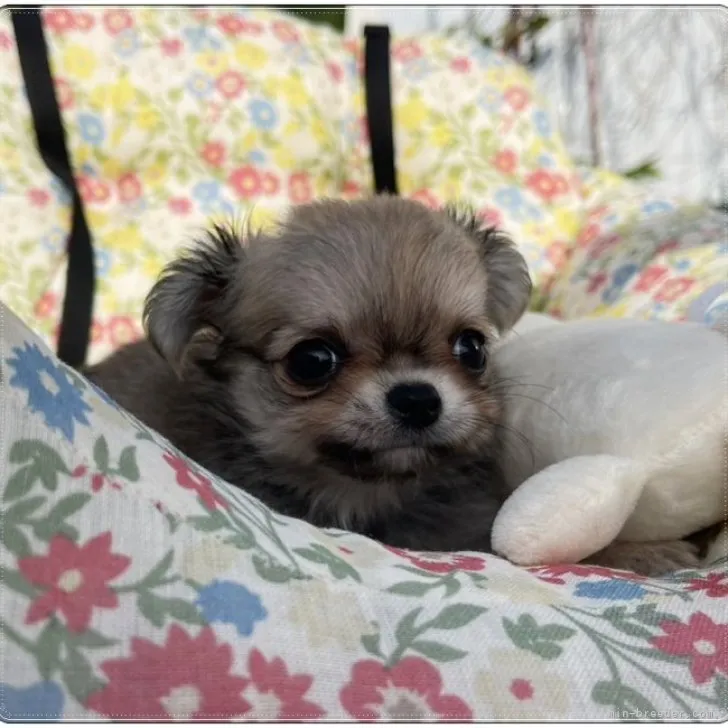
x: 187, y: 305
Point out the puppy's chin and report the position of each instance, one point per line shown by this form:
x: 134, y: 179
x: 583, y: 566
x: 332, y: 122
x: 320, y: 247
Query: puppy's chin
x: 386, y: 464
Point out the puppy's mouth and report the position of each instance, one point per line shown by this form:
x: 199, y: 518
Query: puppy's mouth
x: 398, y: 463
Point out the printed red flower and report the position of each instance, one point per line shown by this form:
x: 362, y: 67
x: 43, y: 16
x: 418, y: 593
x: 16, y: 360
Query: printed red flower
x: 117, y: 20
x: 603, y: 245
x: 410, y: 690
x: 490, y: 216
x: 98, y: 480
x: 180, y: 205
x: 230, y: 84
x: 406, y: 50
x: 558, y: 254
x: 517, y: 97
x: 93, y: 190
x: 275, y: 694
x: 129, y: 186
x: 98, y: 332
x: 213, y: 153
x: 714, y: 585
x: 191, y: 480
x: 171, y: 46
x: 700, y: 639
x: 38, y: 198
x: 59, y: 21
x: 587, y: 235
x: 440, y: 563
x: 667, y: 247
x: 426, y: 198
x: 46, y: 305
x: 246, y: 181
x: 122, y: 330
x: 270, y: 184
x: 186, y: 678
x: 546, y: 185
x: 460, y: 65
x: 285, y: 32
x: 672, y: 290
x: 84, y: 21
x: 76, y: 579
x: 64, y: 93
x: 351, y: 189
x: 597, y: 212
x: 335, y: 71
x: 506, y: 161
x: 6, y: 42
x: 230, y: 24
x: 299, y: 187
x: 650, y: 277
x: 596, y: 282
x: 553, y: 573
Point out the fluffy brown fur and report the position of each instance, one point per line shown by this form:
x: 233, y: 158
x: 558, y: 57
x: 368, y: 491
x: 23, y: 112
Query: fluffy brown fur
x: 390, y: 285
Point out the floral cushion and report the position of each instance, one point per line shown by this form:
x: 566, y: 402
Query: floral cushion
x: 175, y: 116
x: 137, y: 585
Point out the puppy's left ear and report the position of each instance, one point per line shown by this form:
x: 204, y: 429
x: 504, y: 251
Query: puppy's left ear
x: 509, y: 283
x: 186, y: 310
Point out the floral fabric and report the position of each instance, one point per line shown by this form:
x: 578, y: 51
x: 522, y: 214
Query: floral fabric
x: 137, y: 585
x: 175, y: 116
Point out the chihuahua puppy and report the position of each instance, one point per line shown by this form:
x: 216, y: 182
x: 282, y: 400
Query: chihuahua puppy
x: 337, y: 368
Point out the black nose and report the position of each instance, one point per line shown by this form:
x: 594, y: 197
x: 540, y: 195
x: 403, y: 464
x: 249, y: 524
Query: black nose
x: 416, y: 405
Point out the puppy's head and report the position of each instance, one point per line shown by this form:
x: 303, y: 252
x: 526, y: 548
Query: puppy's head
x: 355, y: 337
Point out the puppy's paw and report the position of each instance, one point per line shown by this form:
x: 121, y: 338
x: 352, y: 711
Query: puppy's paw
x: 653, y: 558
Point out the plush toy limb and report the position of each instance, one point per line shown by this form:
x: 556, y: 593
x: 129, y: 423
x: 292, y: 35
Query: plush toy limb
x: 568, y: 511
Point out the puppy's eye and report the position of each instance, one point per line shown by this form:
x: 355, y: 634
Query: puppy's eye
x: 469, y: 350
x: 312, y: 363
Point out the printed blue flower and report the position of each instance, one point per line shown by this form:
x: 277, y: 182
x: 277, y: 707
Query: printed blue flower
x: 542, y: 123
x: 54, y: 241
x: 546, y: 160
x: 91, y: 128
x: 263, y: 114
x: 616, y: 589
x: 206, y: 191
x: 510, y: 197
x: 50, y: 390
x: 103, y: 262
x: 127, y: 43
x: 490, y: 99
x: 198, y: 39
x: 611, y: 294
x: 654, y: 207
x: 42, y: 701
x: 624, y: 273
x: 231, y: 603
x: 200, y: 84
x: 60, y: 191
x: 257, y: 156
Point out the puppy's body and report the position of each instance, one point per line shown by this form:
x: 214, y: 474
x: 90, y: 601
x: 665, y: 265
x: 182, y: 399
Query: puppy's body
x: 401, y: 304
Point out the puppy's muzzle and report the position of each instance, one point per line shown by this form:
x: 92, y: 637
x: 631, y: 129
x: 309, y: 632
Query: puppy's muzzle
x: 416, y: 405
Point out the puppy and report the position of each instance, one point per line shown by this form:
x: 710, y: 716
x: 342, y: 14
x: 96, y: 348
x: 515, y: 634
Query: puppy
x: 337, y: 368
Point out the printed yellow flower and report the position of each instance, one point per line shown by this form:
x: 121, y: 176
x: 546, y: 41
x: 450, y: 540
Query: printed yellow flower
x: 116, y: 96
x: 148, y: 118
x: 250, y: 56
x: 319, y: 130
x: 208, y: 559
x: 127, y: 238
x: 442, y: 134
x: 283, y: 157
x: 79, y: 62
x: 97, y: 220
x: 262, y: 218
x: 293, y: 90
x: 568, y: 223
x: 154, y: 174
x: 213, y: 63
x: 519, y: 686
x: 412, y: 113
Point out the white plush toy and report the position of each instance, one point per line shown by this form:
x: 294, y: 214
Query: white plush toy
x: 623, y: 427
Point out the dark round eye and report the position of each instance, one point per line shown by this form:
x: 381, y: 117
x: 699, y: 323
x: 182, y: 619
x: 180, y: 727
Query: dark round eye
x: 312, y: 363
x: 469, y: 350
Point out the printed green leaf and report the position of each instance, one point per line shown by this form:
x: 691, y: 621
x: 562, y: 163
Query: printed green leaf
x: 409, y: 588
x: 456, y: 616
x: 45, y: 530
x: 338, y: 567
x: 101, y: 455
x: 214, y: 521
x: 437, y: 651
x: 542, y: 641
x: 90, y: 638
x: 648, y: 614
x: 22, y: 509
x: 67, y: 506
x: 181, y: 610
x: 243, y: 538
x: 555, y: 632
x: 41, y: 462
x: 128, y: 468
x: 720, y: 685
x: 370, y: 642
x: 48, y: 649
x: 149, y: 606
x: 79, y: 677
x: 271, y: 571
x: 312, y: 555
x: 15, y: 541
x: 17, y: 582
x: 158, y: 573
x: 621, y: 697
x: 406, y: 630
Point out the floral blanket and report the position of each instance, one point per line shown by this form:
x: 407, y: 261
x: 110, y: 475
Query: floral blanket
x: 137, y: 585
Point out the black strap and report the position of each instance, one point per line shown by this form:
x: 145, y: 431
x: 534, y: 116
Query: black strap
x: 75, y: 325
x: 379, y: 107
